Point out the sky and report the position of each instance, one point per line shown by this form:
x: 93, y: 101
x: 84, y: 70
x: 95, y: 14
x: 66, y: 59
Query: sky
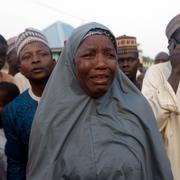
x: 144, y: 19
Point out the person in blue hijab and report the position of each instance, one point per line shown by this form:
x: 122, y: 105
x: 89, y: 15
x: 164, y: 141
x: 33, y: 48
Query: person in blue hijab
x: 92, y: 123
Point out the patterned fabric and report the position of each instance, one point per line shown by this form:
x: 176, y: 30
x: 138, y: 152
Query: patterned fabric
x: 97, y: 31
x: 17, y: 118
x: 28, y: 36
x: 126, y: 44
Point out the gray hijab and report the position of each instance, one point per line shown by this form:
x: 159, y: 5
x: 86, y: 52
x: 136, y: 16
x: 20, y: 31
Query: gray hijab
x: 76, y: 137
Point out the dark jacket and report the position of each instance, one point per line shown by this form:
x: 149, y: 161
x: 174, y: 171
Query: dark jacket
x: 17, y: 121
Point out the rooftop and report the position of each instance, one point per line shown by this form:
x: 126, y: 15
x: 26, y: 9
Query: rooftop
x: 57, y: 33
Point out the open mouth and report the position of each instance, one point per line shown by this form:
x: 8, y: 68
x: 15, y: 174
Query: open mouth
x: 100, y: 79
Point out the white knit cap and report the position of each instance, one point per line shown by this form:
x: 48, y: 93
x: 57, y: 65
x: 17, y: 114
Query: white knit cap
x: 28, y: 36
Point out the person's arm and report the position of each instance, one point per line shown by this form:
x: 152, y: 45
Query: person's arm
x: 160, y: 95
x: 16, y: 166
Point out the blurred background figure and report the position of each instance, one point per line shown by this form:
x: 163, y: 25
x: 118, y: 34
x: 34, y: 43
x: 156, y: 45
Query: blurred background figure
x: 12, y: 59
x: 161, y: 57
x: 128, y: 57
x: 161, y: 87
x: 13, y: 62
x: 3, y: 50
x: 8, y: 91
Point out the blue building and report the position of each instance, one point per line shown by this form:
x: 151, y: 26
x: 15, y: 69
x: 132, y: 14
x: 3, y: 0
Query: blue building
x: 57, y: 33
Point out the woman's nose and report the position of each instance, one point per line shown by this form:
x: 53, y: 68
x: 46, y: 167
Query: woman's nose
x: 101, y: 61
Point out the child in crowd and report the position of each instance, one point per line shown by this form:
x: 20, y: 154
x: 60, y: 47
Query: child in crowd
x: 8, y: 91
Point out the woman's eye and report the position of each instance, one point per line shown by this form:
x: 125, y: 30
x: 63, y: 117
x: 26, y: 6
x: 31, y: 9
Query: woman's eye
x: 87, y: 55
x: 44, y: 54
x: 111, y: 55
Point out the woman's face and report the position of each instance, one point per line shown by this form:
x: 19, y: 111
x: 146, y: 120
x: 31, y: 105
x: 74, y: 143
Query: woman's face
x: 96, y: 64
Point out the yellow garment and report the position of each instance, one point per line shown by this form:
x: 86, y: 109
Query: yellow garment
x: 22, y: 82
x: 166, y: 106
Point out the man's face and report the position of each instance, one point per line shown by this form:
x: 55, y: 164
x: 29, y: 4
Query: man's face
x: 129, y: 64
x: 36, y: 61
x: 174, y: 45
x: 3, y: 49
x: 174, y: 54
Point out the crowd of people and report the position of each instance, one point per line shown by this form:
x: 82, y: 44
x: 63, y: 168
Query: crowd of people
x: 95, y: 114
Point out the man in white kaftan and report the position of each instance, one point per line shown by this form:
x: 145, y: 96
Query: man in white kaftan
x: 161, y: 88
x: 166, y: 106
